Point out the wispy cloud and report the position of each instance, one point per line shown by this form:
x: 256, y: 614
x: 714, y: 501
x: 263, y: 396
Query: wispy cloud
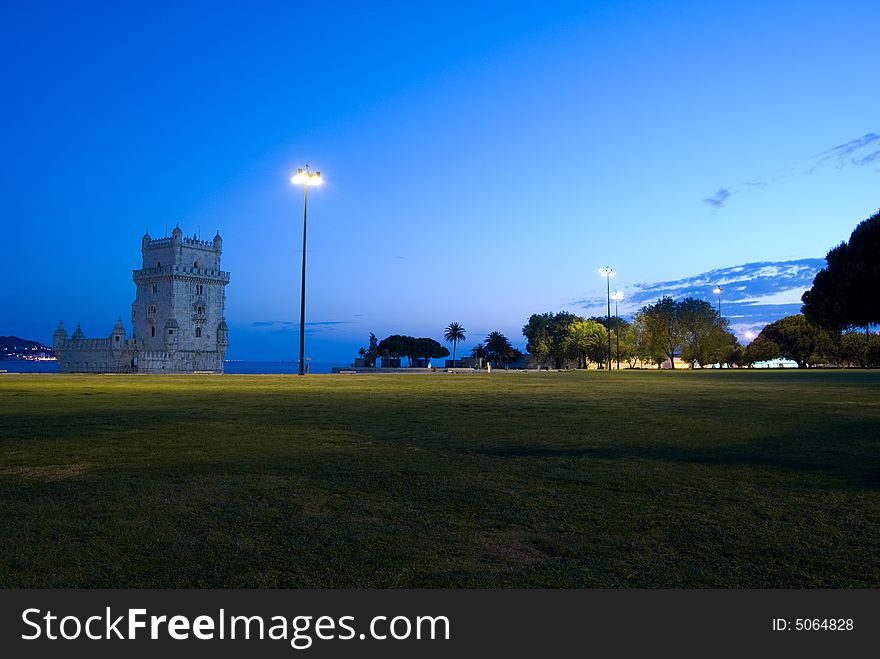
x: 861, y: 151
x: 290, y: 326
x: 788, y: 296
x: 719, y: 198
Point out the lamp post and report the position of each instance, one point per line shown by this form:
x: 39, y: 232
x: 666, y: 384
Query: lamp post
x: 617, y: 297
x: 608, y: 273
x: 717, y: 290
x: 304, y: 178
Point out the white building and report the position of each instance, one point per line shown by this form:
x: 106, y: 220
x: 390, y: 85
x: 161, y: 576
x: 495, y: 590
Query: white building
x: 176, y: 317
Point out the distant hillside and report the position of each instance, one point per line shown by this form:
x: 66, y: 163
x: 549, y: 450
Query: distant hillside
x: 12, y: 347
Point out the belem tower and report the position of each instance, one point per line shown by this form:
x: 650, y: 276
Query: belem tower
x: 176, y: 317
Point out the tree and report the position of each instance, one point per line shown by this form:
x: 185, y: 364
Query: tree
x: 370, y: 353
x: 395, y: 346
x: 761, y: 349
x: 838, y: 298
x: 798, y: 340
x: 704, y: 335
x: 843, y: 293
x: 825, y: 302
x: 859, y: 349
x: 585, y: 341
x: 479, y: 351
x: 500, y: 350
x: 424, y: 348
x: 537, y: 334
x: 659, y: 331
x: 697, y: 320
x: 852, y: 349
x: 689, y: 326
x: 454, y: 333
x: 873, y: 357
x: 729, y: 350
x: 545, y: 334
x: 624, y: 346
x: 647, y: 349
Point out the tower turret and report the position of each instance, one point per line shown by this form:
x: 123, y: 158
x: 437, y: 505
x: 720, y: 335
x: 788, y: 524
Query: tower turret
x: 78, y: 333
x: 218, y: 242
x: 59, y: 337
x: 117, y: 336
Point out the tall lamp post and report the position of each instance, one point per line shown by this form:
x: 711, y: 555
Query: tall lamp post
x: 304, y: 178
x: 617, y: 296
x: 608, y: 273
x: 718, y: 290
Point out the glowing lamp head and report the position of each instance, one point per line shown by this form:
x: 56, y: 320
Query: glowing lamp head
x: 617, y: 295
x: 305, y: 177
x: 717, y: 290
x: 606, y: 272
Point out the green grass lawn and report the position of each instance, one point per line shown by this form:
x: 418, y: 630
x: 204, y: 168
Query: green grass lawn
x: 630, y: 479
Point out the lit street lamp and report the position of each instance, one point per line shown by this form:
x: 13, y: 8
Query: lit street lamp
x: 608, y: 273
x: 304, y: 178
x: 617, y: 296
x: 717, y: 290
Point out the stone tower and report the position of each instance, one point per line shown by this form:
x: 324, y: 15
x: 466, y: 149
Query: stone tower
x: 177, y: 314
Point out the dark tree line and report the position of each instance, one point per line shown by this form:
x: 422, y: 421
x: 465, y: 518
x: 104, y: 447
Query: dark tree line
x: 557, y: 338
x: 398, y: 346
x: 689, y: 328
x: 808, y: 344
x: 497, y: 348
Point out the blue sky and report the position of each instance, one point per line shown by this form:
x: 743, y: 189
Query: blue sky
x: 482, y: 160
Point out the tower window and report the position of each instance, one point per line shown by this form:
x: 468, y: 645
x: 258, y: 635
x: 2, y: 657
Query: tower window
x: 196, y: 265
x: 200, y: 310
x: 170, y: 331
x: 153, y: 330
x: 155, y: 288
x: 117, y: 338
x: 198, y: 332
x: 158, y: 265
x: 199, y: 289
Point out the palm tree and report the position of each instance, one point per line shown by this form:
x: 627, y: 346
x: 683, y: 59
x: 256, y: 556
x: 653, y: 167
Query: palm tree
x: 454, y: 333
x: 479, y: 351
x: 499, y: 349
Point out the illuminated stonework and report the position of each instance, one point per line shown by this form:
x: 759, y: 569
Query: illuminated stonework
x: 176, y: 317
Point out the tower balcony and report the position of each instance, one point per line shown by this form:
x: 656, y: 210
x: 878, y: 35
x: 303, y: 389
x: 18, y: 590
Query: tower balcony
x: 143, y: 274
